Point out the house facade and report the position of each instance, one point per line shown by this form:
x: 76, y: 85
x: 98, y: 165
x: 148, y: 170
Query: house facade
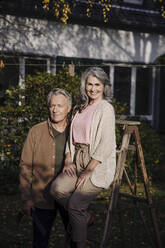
x: 130, y: 47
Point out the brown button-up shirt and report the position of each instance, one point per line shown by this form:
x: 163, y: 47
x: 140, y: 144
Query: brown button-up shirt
x: 37, y: 164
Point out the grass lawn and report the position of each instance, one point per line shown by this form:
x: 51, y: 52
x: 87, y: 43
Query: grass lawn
x: 127, y: 226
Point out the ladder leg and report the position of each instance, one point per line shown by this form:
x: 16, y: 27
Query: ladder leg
x: 129, y: 130
x: 147, y: 188
x: 116, y: 188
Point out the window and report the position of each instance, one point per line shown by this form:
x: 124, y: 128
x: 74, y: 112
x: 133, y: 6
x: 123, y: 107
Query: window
x: 34, y: 65
x: 143, y: 91
x: 140, y: 2
x: 9, y: 75
x: 80, y: 64
x: 122, y: 85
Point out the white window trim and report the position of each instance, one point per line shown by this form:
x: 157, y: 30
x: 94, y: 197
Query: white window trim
x: 140, y: 2
x: 50, y: 68
x: 133, y: 91
x: 21, y: 82
x: 153, y: 91
x: 111, y: 76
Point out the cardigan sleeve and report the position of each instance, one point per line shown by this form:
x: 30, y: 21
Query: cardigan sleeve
x: 104, y: 141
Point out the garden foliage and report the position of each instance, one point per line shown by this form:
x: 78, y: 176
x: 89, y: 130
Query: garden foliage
x: 25, y: 107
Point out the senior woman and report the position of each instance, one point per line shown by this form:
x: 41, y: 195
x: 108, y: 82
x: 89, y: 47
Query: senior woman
x: 90, y: 160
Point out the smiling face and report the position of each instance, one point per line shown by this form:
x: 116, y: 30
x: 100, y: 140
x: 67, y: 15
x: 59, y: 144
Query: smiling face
x: 58, y: 109
x: 94, y: 89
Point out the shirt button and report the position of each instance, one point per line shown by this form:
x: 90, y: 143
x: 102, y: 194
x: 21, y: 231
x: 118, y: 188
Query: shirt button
x: 53, y: 156
x: 52, y: 169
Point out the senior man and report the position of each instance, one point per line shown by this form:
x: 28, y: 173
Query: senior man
x: 41, y: 161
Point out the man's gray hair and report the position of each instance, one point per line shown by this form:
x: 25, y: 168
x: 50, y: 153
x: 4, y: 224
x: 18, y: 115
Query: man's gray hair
x: 58, y: 91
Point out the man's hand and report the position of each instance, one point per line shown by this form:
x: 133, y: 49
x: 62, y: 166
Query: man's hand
x: 70, y: 169
x: 27, y: 206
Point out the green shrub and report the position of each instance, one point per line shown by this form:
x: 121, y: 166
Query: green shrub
x: 25, y: 107
x: 151, y: 146
x: 16, y: 119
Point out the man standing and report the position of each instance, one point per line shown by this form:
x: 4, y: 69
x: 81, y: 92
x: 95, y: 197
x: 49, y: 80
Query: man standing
x: 41, y: 160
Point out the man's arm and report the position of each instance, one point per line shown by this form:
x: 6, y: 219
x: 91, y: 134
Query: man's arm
x: 69, y: 167
x: 26, y: 163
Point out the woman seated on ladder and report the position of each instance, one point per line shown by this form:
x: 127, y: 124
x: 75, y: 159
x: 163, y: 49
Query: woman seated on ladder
x: 90, y: 160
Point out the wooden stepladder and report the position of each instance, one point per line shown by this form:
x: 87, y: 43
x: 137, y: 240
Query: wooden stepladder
x: 131, y: 131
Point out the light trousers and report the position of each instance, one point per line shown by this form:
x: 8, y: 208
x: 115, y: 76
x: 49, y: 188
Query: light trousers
x: 76, y: 201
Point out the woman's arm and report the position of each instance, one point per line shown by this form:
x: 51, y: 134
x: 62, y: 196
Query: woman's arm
x: 103, y: 137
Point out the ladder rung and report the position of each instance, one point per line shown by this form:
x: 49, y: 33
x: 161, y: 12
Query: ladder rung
x: 141, y: 199
x: 132, y: 123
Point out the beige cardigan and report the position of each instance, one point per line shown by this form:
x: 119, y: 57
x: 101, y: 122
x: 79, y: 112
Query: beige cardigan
x: 102, y: 144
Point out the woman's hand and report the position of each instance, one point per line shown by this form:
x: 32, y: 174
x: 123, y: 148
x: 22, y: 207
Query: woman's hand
x: 85, y: 175
x: 83, y: 178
